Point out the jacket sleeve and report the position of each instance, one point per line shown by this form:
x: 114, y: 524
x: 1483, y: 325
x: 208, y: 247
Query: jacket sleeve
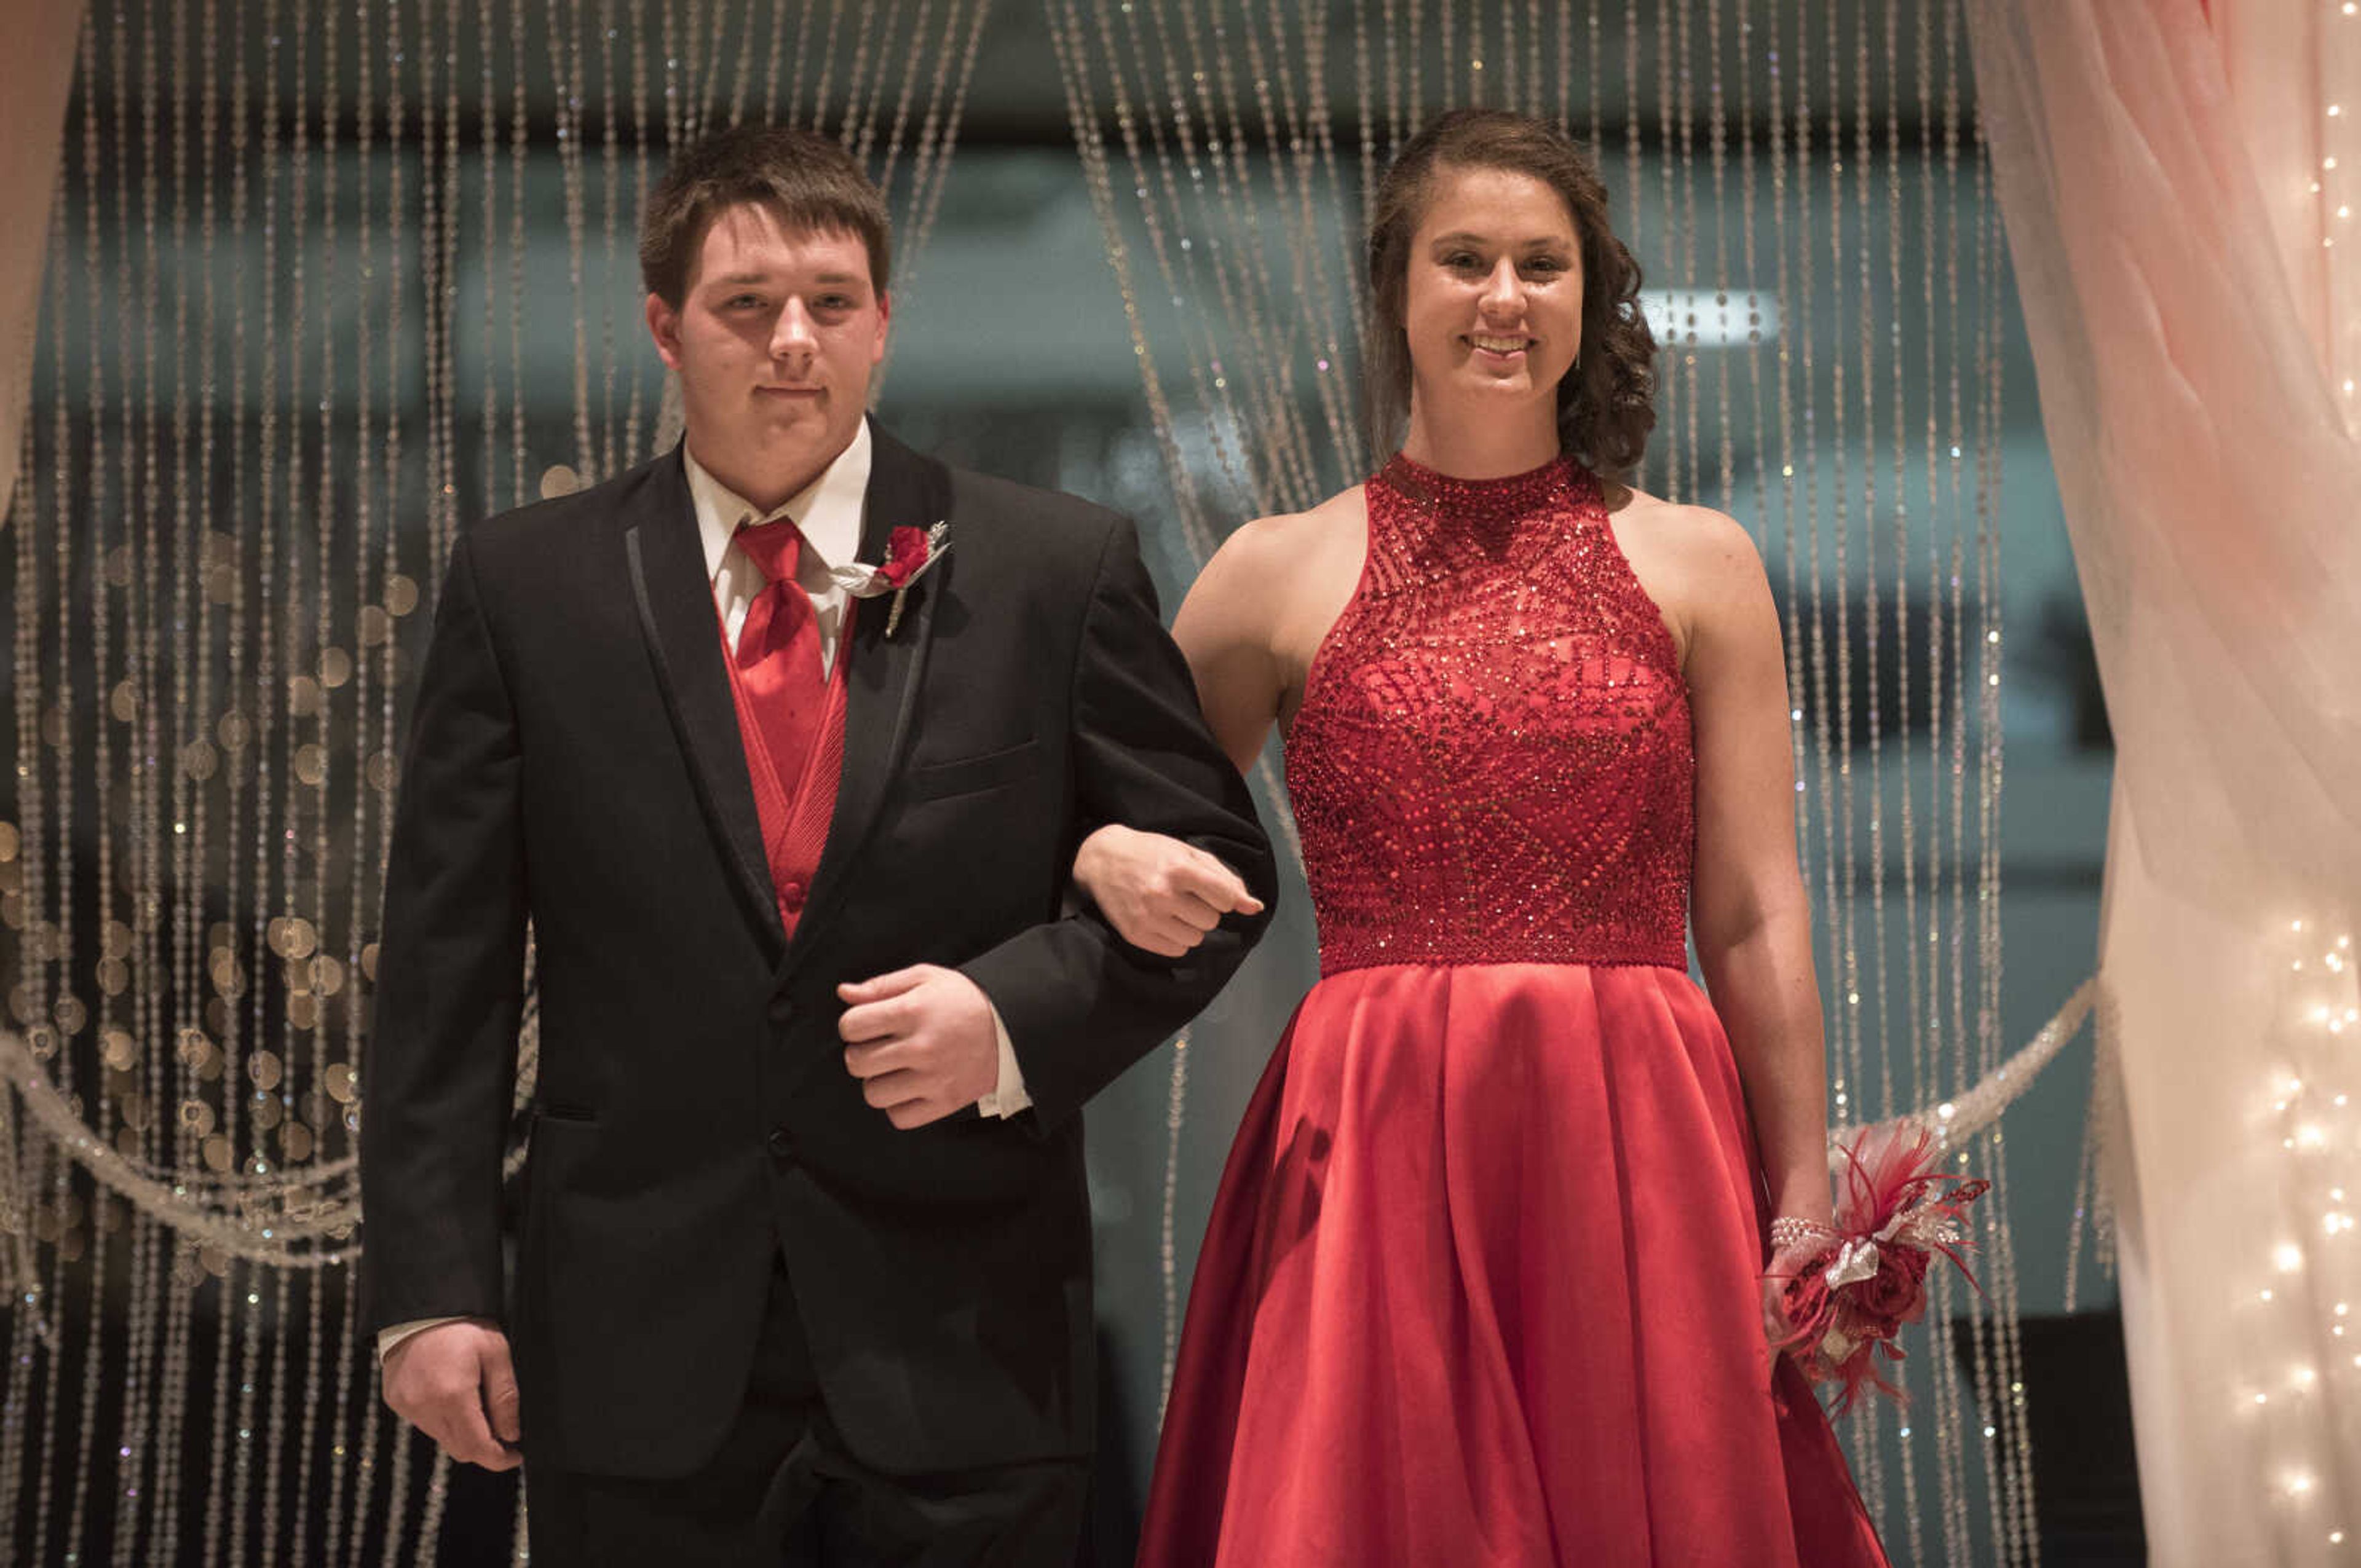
x: 1081, y: 1004
x: 439, y: 1071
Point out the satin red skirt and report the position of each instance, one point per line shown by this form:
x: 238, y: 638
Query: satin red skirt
x: 1480, y: 1289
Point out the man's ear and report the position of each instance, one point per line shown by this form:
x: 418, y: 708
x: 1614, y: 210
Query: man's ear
x: 884, y: 320
x: 663, y: 325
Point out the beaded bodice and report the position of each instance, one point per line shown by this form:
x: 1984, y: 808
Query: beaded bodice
x: 1492, y: 759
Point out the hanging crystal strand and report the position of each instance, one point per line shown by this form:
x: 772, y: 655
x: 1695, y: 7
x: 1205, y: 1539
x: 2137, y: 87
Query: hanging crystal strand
x: 1449, y: 60
x: 1671, y: 380
x: 1066, y: 45
x: 565, y: 73
x: 874, y: 40
x: 305, y: 696
x: 1876, y: 1024
x: 443, y: 386
x: 2023, y: 1530
x: 1414, y: 97
x: 234, y: 730
x: 435, y: 194
x: 311, y: 978
x: 438, y: 1491
x: 240, y: 1298
x: 633, y: 451
x: 1718, y: 153
x: 1677, y: 107
x: 405, y: 1442
x: 1228, y: 263
x: 1176, y: 1107
x: 372, y: 630
x: 912, y: 54
x: 1828, y: 718
x: 916, y: 56
x: 1837, y: 772
x: 313, y: 769
x: 1955, y: 942
x: 1921, y: 1080
x: 1872, y: 1029
x: 1344, y: 429
x: 1792, y: 322
x: 70, y: 1014
x: 1280, y: 458
x: 704, y: 64
x: 1365, y: 94
x: 30, y: 1155
x: 610, y: 458
x: 121, y: 1049
x: 1306, y: 121
x: 1635, y: 227
x: 488, y: 129
x: 744, y: 64
x: 40, y: 1338
x: 192, y: 751
x: 771, y: 106
x: 826, y: 65
x: 1211, y: 387
x: 940, y: 129
x: 518, y: 134
x: 1982, y: 1359
x: 1898, y: 441
x: 1908, y: 836
x: 1592, y: 57
x: 801, y: 54
x: 1945, y: 698
x: 1512, y: 97
x: 681, y: 78
x: 1272, y: 357
x: 375, y: 1421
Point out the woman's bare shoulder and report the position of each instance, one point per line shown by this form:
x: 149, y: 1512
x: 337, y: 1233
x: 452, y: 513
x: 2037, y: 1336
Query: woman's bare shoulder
x: 1696, y: 539
x: 1289, y: 536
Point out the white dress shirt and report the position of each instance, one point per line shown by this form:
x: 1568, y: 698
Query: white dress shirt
x: 827, y: 513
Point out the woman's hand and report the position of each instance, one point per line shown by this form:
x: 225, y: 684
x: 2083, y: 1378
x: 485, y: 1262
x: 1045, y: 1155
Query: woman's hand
x: 1160, y: 895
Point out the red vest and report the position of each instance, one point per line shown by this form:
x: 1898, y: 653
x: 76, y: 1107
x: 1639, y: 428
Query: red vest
x: 795, y: 796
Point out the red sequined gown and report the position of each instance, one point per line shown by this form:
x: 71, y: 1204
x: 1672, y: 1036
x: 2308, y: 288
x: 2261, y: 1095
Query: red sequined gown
x: 1479, y: 1286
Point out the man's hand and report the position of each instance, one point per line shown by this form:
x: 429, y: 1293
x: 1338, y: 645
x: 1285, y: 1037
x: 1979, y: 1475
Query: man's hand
x: 1160, y: 894
x: 453, y: 1382
x: 921, y: 1041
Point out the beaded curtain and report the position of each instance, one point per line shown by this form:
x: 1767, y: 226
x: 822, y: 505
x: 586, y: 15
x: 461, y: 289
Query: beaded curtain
x: 293, y: 342
x: 1810, y: 182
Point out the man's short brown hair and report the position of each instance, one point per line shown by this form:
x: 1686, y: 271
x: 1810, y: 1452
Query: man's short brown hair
x: 804, y: 180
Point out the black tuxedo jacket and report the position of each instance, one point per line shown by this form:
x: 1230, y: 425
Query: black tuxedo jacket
x: 575, y: 762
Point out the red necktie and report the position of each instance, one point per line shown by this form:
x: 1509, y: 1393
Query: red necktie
x: 778, y: 653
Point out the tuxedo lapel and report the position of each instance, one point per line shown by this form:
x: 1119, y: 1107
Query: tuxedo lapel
x: 883, y: 676
x: 676, y: 603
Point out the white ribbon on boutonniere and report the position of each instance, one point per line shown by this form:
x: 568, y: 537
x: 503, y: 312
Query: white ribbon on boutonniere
x: 909, y: 553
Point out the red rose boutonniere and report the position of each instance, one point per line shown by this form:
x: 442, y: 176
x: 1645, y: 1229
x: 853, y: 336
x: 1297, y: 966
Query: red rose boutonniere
x: 910, y: 552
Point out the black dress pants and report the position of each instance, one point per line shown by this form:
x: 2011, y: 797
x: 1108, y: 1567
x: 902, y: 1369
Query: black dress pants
x: 784, y: 1492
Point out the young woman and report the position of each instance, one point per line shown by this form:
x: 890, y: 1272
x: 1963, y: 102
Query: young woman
x: 1483, y: 1283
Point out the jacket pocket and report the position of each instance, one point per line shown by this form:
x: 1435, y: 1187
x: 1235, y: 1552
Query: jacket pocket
x: 966, y: 775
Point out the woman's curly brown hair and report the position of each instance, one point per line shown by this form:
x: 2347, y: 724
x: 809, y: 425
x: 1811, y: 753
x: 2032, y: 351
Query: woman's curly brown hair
x: 1605, y: 403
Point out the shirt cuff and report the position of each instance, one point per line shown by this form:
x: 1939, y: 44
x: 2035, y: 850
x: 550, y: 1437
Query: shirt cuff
x: 393, y: 1334
x: 1007, y: 1096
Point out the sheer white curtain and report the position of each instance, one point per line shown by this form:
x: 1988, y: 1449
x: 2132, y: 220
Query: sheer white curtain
x: 2178, y: 181
x: 36, y: 74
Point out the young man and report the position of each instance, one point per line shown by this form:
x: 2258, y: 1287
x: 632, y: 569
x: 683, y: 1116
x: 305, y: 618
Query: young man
x: 804, y: 1270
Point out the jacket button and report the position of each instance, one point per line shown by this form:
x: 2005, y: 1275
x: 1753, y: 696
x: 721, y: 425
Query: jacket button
x: 782, y: 1144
